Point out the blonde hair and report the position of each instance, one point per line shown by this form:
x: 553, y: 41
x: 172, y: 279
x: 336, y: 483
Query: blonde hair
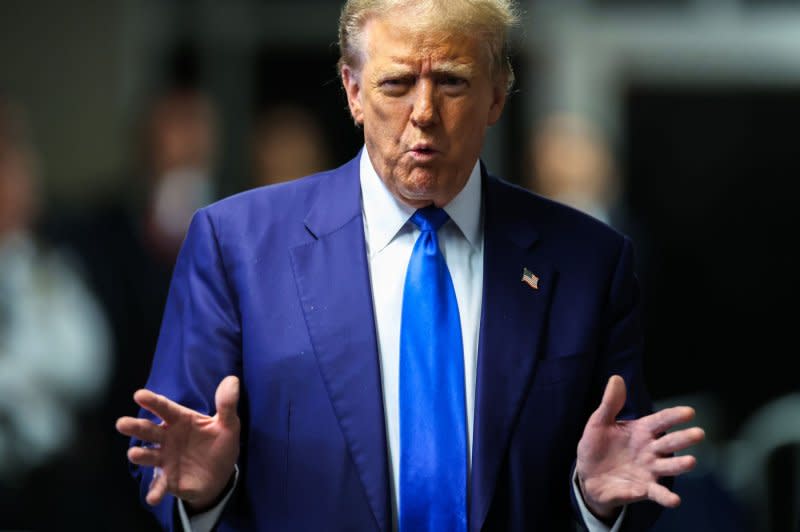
x: 488, y: 20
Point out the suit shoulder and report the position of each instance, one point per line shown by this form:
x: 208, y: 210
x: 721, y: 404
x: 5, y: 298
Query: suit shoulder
x: 283, y: 202
x: 552, y: 217
x: 270, y: 197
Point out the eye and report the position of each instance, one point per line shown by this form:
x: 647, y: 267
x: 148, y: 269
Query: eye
x: 396, y: 85
x: 453, y: 85
x: 453, y: 81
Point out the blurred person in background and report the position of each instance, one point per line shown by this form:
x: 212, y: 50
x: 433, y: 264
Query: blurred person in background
x: 573, y: 162
x: 55, y: 351
x: 128, y: 244
x: 287, y: 143
x: 180, y: 141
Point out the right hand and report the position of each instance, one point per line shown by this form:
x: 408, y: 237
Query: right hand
x: 194, y: 454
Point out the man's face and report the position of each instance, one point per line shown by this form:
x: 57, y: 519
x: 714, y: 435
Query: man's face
x: 425, y: 102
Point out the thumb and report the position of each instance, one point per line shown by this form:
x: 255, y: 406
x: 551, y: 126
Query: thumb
x: 612, y: 402
x: 226, y: 399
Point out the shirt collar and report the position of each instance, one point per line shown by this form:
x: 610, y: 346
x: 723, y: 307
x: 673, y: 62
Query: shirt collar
x: 385, y: 215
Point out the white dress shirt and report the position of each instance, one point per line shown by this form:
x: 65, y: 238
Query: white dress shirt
x: 390, y: 237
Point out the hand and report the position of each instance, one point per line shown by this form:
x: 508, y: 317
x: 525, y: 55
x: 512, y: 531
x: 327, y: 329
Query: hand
x: 194, y: 454
x: 620, y: 462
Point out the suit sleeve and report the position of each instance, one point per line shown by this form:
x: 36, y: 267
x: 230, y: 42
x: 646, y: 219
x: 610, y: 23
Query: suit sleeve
x: 623, y: 337
x: 199, y: 342
x: 622, y: 345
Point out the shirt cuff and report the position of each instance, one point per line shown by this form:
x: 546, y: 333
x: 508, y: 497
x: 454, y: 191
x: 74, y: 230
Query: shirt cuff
x: 204, y: 522
x: 593, y: 524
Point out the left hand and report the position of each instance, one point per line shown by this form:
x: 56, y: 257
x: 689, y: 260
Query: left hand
x: 620, y: 462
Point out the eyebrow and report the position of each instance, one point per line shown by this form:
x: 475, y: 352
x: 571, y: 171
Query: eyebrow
x: 403, y: 67
x: 453, y: 68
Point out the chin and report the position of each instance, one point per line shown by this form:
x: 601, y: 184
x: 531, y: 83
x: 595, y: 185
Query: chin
x: 418, y: 189
x: 415, y: 198
x: 424, y: 180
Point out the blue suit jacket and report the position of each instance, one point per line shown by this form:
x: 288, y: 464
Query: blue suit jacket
x: 272, y: 285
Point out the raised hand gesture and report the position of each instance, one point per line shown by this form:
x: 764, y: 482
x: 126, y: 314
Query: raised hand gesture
x: 194, y: 454
x: 620, y: 462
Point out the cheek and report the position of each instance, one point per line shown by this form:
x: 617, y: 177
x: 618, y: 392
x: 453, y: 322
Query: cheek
x: 377, y: 106
x: 468, y: 130
x: 385, y: 127
x: 390, y: 111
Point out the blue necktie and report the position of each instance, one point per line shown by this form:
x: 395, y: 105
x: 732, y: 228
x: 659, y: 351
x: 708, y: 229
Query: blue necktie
x: 433, y: 432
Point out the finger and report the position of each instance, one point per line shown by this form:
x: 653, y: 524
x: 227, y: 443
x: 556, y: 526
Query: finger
x: 143, y: 429
x: 663, y: 420
x: 167, y: 410
x: 145, y: 456
x: 678, y: 440
x: 658, y: 493
x: 676, y: 465
x: 612, y: 402
x: 158, y: 488
x: 226, y: 399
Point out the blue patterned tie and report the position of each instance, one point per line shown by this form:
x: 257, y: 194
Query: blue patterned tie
x: 433, y: 432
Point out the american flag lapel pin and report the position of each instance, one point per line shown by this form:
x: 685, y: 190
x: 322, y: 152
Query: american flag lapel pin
x: 530, y: 278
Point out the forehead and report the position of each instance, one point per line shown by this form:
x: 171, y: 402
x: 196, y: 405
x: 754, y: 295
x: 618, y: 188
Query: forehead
x: 399, y: 43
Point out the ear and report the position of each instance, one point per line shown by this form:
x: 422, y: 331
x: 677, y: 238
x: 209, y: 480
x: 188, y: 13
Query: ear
x: 352, y: 86
x: 499, y: 93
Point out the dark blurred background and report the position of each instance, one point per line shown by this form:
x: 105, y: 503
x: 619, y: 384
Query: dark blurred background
x: 671, y: 120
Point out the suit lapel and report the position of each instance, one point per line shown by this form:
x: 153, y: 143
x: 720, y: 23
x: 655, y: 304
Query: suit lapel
x: 333, y: 284
x: 512, y: 322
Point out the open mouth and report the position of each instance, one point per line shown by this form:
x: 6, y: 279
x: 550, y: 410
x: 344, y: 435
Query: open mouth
x: 423, y: 150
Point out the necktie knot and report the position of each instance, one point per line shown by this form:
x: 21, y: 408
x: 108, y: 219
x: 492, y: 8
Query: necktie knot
x: 429, y: 218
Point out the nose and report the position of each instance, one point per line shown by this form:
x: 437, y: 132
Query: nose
x: 424, y: 113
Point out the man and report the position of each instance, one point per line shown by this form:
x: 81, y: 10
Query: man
x: 399, y: 369
x: 55, y: 353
